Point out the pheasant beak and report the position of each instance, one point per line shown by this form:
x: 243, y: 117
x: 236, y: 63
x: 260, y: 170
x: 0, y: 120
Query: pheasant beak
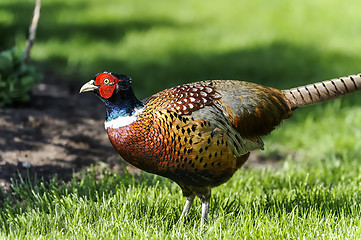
x: 89, y: 86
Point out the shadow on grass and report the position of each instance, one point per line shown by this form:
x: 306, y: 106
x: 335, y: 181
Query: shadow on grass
x: 108, y: 31
x: 279, y: 64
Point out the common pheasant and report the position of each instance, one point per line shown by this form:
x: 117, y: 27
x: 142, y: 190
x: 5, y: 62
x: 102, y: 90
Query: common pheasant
x: 199, y: 134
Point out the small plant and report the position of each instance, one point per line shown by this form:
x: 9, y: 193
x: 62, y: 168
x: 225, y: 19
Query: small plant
x: 16, y: 77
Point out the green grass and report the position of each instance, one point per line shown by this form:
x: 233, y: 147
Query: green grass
x: 314, y: 194
x: 318, y: 201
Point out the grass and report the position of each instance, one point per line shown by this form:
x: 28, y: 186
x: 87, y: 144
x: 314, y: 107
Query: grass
x: 316, y: 191
x: 289, y: 203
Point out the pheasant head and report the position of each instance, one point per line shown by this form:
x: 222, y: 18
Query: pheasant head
x: 117, y: 94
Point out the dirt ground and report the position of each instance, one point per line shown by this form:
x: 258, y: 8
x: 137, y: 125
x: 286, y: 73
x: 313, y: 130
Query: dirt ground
x: 59, y: 132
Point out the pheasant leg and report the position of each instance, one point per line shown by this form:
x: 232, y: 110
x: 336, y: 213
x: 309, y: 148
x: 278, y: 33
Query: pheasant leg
x: 187, y: 206
x: 205, y: 209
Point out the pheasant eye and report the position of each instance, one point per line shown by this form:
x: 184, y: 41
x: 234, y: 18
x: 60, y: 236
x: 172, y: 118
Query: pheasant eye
x: 106, y: 81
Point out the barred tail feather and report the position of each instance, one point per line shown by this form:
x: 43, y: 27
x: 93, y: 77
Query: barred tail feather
x: 322, y: 91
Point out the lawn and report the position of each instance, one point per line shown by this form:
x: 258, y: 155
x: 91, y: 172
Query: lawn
x: 314, y: 192
x: 291, y: 202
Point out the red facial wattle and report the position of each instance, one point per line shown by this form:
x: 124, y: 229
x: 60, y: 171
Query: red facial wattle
x: 107, y: 83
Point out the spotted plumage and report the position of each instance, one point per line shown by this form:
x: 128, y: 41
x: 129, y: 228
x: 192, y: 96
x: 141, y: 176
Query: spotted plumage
x: 184, y: 99
x: 199, y: 134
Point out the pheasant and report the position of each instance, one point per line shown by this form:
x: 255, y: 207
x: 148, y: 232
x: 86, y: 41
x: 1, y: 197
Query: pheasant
x: 199, y: 134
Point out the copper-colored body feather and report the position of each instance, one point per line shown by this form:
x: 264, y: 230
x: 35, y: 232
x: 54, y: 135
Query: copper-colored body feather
x: 199, y: 134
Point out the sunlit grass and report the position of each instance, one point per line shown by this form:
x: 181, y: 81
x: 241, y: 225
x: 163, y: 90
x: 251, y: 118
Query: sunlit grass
x: 295, y: 201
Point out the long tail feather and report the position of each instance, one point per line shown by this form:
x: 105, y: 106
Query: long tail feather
x: 322, y: 91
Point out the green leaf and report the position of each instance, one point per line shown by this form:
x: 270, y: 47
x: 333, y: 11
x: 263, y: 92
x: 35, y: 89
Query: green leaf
x: 6, y: 61
x: 16, y: 77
